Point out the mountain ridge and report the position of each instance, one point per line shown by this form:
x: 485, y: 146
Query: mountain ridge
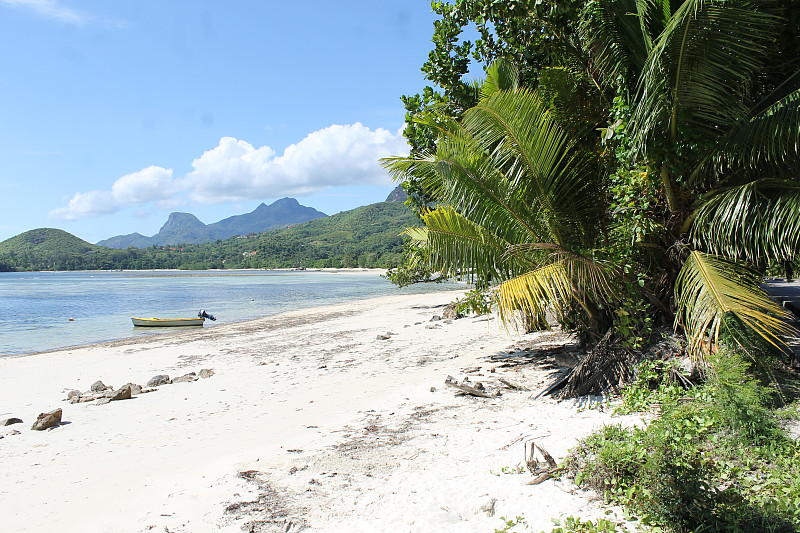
x: 186, y: 228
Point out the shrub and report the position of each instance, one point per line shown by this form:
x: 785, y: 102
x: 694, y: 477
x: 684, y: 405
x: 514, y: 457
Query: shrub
x: 715, y: 460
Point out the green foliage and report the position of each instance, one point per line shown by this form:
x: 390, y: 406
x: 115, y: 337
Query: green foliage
x: 686, y: 113
x: 654, y: 385
x: 518, y: 469
x: 366, y: 237
x: 476, y: 301
x: 413, y: 267
x: 572, y: 524
x: 713, y: 461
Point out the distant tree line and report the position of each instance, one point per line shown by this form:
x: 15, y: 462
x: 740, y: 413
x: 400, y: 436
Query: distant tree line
x: 366, y: 237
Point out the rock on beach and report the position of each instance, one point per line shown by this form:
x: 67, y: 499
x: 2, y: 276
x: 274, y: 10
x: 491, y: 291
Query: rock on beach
x: 161, y: 379
x: 47, y: 420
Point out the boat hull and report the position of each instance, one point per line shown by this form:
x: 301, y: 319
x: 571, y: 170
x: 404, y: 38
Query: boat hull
x: 166, y: 322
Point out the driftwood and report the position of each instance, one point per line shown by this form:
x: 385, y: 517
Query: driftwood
x: 468, y: 387
x: 542, y: 473
x: 512, y: 385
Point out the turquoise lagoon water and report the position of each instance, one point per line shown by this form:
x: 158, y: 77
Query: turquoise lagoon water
x: 35, y: 307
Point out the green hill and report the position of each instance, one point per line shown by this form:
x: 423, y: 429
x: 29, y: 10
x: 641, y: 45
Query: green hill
x: 367, y: 236
x: 45, y: 240
x: 47, y: 248
x: 364, y: 237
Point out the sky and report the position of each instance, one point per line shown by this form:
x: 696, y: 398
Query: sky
x: 116, y: 113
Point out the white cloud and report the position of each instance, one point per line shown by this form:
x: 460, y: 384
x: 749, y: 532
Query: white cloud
x: 54, y: 10
x: 333, y: 156
x: 235, y: 170
x: 49, y: 8
x: 151, y: 184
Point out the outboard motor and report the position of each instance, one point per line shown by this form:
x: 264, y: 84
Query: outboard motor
x: 203, y: 314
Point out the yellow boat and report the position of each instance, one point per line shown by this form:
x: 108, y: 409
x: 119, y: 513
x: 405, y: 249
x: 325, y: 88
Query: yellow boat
x: 167, y: 322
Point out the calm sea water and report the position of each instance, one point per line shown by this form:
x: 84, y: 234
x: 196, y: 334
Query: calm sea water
x: 35, y: 307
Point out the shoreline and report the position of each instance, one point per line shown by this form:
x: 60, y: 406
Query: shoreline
x: 167, y: 333
x: 311, y: 421
x: 342, y: 270
x: 81, y: 334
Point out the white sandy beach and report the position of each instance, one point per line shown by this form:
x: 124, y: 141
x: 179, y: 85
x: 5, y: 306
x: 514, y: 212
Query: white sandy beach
x: 310, y: 422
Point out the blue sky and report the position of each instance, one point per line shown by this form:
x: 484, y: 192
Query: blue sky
x: 117, y: 112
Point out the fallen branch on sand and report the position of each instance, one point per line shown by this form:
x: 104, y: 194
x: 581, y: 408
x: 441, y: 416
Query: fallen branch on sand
x: 511, y: 384
x: 535, y: 467
x: 468, y: 387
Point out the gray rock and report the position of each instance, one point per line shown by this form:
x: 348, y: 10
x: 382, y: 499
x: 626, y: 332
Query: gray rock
x: 73, y: 394
x: 688, y: 366
x: 488, y: 507
x: 451, y: 312
x: 124, y: 393
x: 103, y: 401
x: 205, y: 373
x: 9, y: 421
x: 435, y: 318
x: 47, y: 420
x: 383, y: 337
x: 98, y: 386
x: 135, y: 389
x: 161, y: 379
x: 186, y: 378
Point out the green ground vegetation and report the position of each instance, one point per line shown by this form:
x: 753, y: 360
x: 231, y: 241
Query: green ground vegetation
x: 714, y: 459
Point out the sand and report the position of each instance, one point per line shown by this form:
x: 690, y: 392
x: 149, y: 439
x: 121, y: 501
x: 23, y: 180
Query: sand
x: 310, y: 422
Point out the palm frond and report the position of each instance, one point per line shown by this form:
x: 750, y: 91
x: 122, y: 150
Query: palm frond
x: 700, y: 67
x: 565, y: 278
x: 756, y: 222
x: 457, y: 245
x: 500, y: 76
x: 768, y: 141
x: 708, y: 287
x: 539, y: 162
x: 617, y: 34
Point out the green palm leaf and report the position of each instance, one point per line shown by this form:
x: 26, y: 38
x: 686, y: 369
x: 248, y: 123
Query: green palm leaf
x: 459, y: 245
x: 708, y: 287
x: 565, y: 278
x: 539, y: 162
x: 700, y: 67
x: 767, y: 142
x: 618, y: 34
x: 756, y: 222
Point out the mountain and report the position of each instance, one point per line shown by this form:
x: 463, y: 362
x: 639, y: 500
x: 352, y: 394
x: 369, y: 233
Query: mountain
x: 185, y: 228
x: 367, y: 236
x: 45, y: 249
x: 281, y: 213
x: 397, y: 195
x: 45, y: 240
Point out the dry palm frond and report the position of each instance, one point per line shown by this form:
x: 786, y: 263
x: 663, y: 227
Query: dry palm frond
x: 607, y: 368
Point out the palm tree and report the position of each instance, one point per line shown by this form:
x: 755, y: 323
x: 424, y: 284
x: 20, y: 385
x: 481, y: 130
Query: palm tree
x: 525, y: 206
x: 721, y: 132
x: 519, y: 205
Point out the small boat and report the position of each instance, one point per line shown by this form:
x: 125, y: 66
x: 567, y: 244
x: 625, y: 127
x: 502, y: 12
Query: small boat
x: 167, y: 322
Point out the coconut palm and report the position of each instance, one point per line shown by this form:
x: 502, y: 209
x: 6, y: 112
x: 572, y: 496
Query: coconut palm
x: 721, y: 133
x: 524, y: 205
x: 519, y: 206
